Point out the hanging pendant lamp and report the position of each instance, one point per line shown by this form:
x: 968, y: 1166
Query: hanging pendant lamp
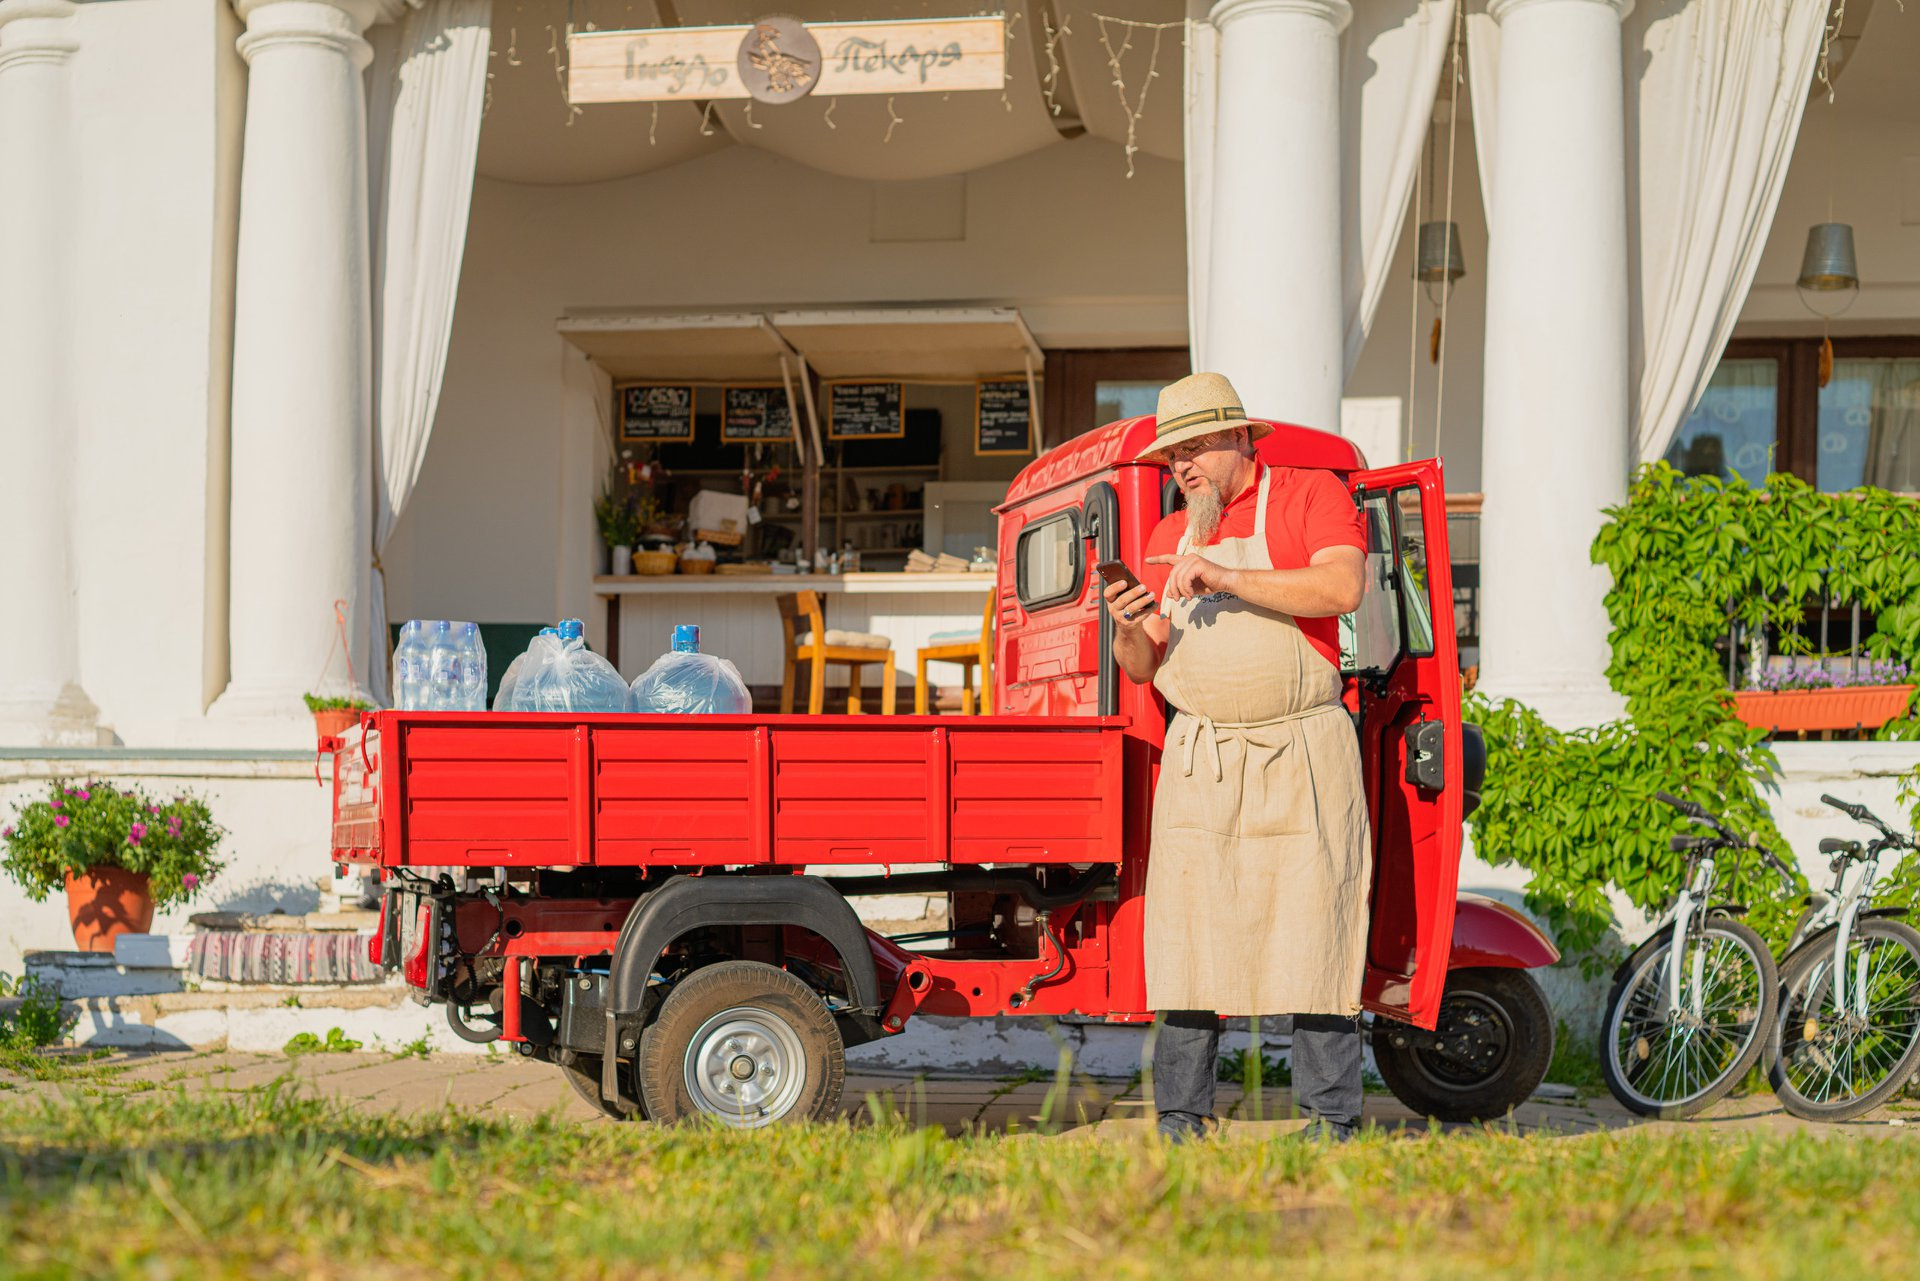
x: 1437, y: 257
x: 1829, y: 265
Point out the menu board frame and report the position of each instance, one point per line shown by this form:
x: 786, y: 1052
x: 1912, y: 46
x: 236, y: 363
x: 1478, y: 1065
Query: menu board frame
x: 784, y: 438
x: 979, y: 404
x: 900, y: 393
x: 620, y: 390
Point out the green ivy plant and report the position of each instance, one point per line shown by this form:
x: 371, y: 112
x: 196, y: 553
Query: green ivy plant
x: 1687, y: 554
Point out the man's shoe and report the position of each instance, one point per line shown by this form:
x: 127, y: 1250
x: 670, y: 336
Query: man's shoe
x: 1185, y: 1127
x: 1322, y: 1130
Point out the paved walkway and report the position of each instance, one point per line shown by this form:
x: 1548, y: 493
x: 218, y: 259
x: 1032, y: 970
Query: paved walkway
x: 1086, y: 1109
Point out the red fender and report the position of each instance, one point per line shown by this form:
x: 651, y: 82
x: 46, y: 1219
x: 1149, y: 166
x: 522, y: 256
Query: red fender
x: 1488, y: 933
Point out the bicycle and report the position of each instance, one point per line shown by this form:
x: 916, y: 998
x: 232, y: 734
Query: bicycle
x: 1847, y: 1034
x: 1692, y: 1010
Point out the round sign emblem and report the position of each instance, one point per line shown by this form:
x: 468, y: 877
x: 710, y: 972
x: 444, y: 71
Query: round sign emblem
x: 779, y: 60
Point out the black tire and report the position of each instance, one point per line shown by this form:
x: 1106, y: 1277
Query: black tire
x: 583, y: 1078
x: 1806, y: 1037
x: 741, y: 1030
x: 1637, y: 1027
x: 1498, y: 1035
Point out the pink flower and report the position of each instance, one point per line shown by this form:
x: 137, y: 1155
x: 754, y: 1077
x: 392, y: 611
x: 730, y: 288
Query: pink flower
x: 153, y: 809
x: 56, y: 804
x: 82, y: 793
x: 190, y: 880
x: 136, y: 833
x: 173, y: 826
x: 61, y: 820
x: 6, y: 833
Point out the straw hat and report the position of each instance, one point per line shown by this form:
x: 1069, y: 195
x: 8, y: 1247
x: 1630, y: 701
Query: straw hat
x: 1198, y: 405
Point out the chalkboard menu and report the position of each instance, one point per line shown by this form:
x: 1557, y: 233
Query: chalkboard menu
x: 652, y: 412
x: 755, y: 415
x: 1003, y: 417
x: 865, y: 411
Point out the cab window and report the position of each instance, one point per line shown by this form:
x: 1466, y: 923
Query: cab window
x: 1395, y: 617
x: 1050, y: 562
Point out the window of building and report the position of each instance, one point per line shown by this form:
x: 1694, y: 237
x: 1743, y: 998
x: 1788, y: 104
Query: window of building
x: 1765, y: 411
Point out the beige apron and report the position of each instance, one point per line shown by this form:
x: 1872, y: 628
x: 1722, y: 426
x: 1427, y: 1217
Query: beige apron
x: 1257, y: 879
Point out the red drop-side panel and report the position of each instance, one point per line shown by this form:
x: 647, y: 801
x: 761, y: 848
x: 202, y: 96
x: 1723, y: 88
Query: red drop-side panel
x: 1035, y: 798
x: 859, y: 795
x: 497, y: 796
x: 679, y: 794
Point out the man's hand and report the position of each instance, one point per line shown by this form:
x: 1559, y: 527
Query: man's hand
x: 1193, y: 575
x: 1131, y: 604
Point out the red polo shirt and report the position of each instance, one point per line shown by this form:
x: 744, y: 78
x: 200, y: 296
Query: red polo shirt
x: 1308, y: 510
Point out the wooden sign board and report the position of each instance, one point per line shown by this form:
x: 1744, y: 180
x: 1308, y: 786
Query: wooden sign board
x: 942, y: 55
x: 866, y: 411
x: 649, y: 411
x: 1002, y: 417
x: 755, y: 416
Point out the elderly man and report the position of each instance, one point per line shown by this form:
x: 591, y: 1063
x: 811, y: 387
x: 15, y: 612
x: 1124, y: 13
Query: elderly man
x: 1257, y: 879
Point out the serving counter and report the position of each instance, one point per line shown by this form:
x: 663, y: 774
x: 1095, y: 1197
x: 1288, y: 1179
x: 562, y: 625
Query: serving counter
x: 738, y: 620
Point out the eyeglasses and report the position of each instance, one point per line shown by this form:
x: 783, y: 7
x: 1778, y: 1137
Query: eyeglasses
x: 1187, y: 450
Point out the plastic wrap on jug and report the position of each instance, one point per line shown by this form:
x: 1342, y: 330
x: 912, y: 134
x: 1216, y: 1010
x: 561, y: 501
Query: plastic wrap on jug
x: 684, y: 680
x: 558, y: 673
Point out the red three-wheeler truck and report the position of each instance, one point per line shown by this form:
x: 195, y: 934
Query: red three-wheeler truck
x: 659, y: 905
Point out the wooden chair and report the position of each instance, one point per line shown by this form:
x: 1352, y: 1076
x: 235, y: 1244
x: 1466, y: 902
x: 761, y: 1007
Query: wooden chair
x: 969, y: 650
x: 808, y: 641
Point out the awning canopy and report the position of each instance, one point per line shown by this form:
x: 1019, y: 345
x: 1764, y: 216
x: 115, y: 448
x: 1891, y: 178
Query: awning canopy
x: 906, y: 344
x: 897, y: 344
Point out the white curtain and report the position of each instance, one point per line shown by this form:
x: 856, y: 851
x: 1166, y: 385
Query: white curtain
x: 1391, y: 59
x: 1715, y: 92
x: 424, y: 107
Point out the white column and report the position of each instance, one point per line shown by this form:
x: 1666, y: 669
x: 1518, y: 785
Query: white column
x: 301, y: 511
x: 1274, y: 323
x: 1554, y: 433
x: 41, y: 702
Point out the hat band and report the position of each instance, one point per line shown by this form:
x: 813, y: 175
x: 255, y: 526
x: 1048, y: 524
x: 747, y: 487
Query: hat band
x: 1221, y: 415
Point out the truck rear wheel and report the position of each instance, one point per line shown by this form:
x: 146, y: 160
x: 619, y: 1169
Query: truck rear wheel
x: 1485, y: 1057
x: 746, y: 1043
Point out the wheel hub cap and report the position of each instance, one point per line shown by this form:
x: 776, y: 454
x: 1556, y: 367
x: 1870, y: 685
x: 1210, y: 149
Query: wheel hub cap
x: 746, y: 1067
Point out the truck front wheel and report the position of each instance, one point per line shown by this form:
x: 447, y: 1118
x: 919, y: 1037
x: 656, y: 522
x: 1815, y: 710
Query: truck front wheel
x: 1485, y: 1057
x: 746, y: 1043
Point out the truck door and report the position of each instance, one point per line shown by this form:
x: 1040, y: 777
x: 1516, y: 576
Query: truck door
x: 1399, y: 653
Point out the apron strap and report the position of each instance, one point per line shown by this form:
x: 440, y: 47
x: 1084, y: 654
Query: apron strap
x: 1206, y: 726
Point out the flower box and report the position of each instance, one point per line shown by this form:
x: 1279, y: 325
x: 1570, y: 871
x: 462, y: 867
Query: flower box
x: 1844, y: 707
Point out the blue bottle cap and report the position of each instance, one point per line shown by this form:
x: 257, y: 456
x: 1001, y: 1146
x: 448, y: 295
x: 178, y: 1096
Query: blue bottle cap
x: 442, y: 625
x: 686, y: 639
x: 572, y: 629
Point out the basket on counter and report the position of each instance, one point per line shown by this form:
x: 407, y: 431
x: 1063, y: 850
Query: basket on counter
x: 653, y: 562
x: 689, y: 566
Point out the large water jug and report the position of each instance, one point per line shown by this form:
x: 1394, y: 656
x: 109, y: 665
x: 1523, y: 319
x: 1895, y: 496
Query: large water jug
x: 443, y: 669
x: 503, y: 698
x: 473, y: 669
x: 410, y: 667
x: 562, y: 675
x: 684, y: 680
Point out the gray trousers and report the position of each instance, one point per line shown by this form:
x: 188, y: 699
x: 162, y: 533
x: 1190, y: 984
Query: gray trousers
x: 1326, y: 1066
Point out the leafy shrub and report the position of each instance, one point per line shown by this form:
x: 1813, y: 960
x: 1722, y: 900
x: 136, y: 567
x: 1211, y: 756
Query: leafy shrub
x: 336, y: 1042
x: 95, y: 824
x: 38, y: 1021
x: 334, y: 703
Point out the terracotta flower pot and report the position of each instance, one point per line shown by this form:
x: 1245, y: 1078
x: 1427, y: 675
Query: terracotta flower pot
x: 1845, y: 707
x: 105, y: 902
x: 335, y: 721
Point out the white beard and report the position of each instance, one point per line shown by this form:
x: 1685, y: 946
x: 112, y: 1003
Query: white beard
x: 1204, y: 505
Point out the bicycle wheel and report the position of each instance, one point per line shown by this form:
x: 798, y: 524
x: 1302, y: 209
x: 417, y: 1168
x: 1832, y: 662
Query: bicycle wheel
x: 1670, y: 1061
x: 1833, y: 1063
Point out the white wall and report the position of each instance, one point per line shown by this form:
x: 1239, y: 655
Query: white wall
x: 158, y: 82
x: 1090, y: 257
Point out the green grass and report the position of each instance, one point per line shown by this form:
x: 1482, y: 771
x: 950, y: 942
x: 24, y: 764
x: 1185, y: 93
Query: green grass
x: 1576, y: 1061
x: 271, y: 1183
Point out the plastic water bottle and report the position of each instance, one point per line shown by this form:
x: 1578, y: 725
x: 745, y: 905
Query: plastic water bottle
x: 473, y: 669
x: 410, y: 667
x: 572, y: 633
x: 443, y: 669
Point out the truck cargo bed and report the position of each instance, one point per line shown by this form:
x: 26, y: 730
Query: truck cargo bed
x: 520, y: 790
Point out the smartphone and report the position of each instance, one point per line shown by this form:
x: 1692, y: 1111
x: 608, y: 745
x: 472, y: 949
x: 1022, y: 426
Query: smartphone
x: 1116, y: 571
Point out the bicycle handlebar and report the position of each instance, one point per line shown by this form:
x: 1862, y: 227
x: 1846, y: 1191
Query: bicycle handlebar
x: 1861, y: 814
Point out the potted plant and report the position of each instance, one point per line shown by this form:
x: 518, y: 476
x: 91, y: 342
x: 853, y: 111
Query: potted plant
x: 620, y: 527
x: 333, y: 716
x: 118, y: 853
x: 1817, y: 697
